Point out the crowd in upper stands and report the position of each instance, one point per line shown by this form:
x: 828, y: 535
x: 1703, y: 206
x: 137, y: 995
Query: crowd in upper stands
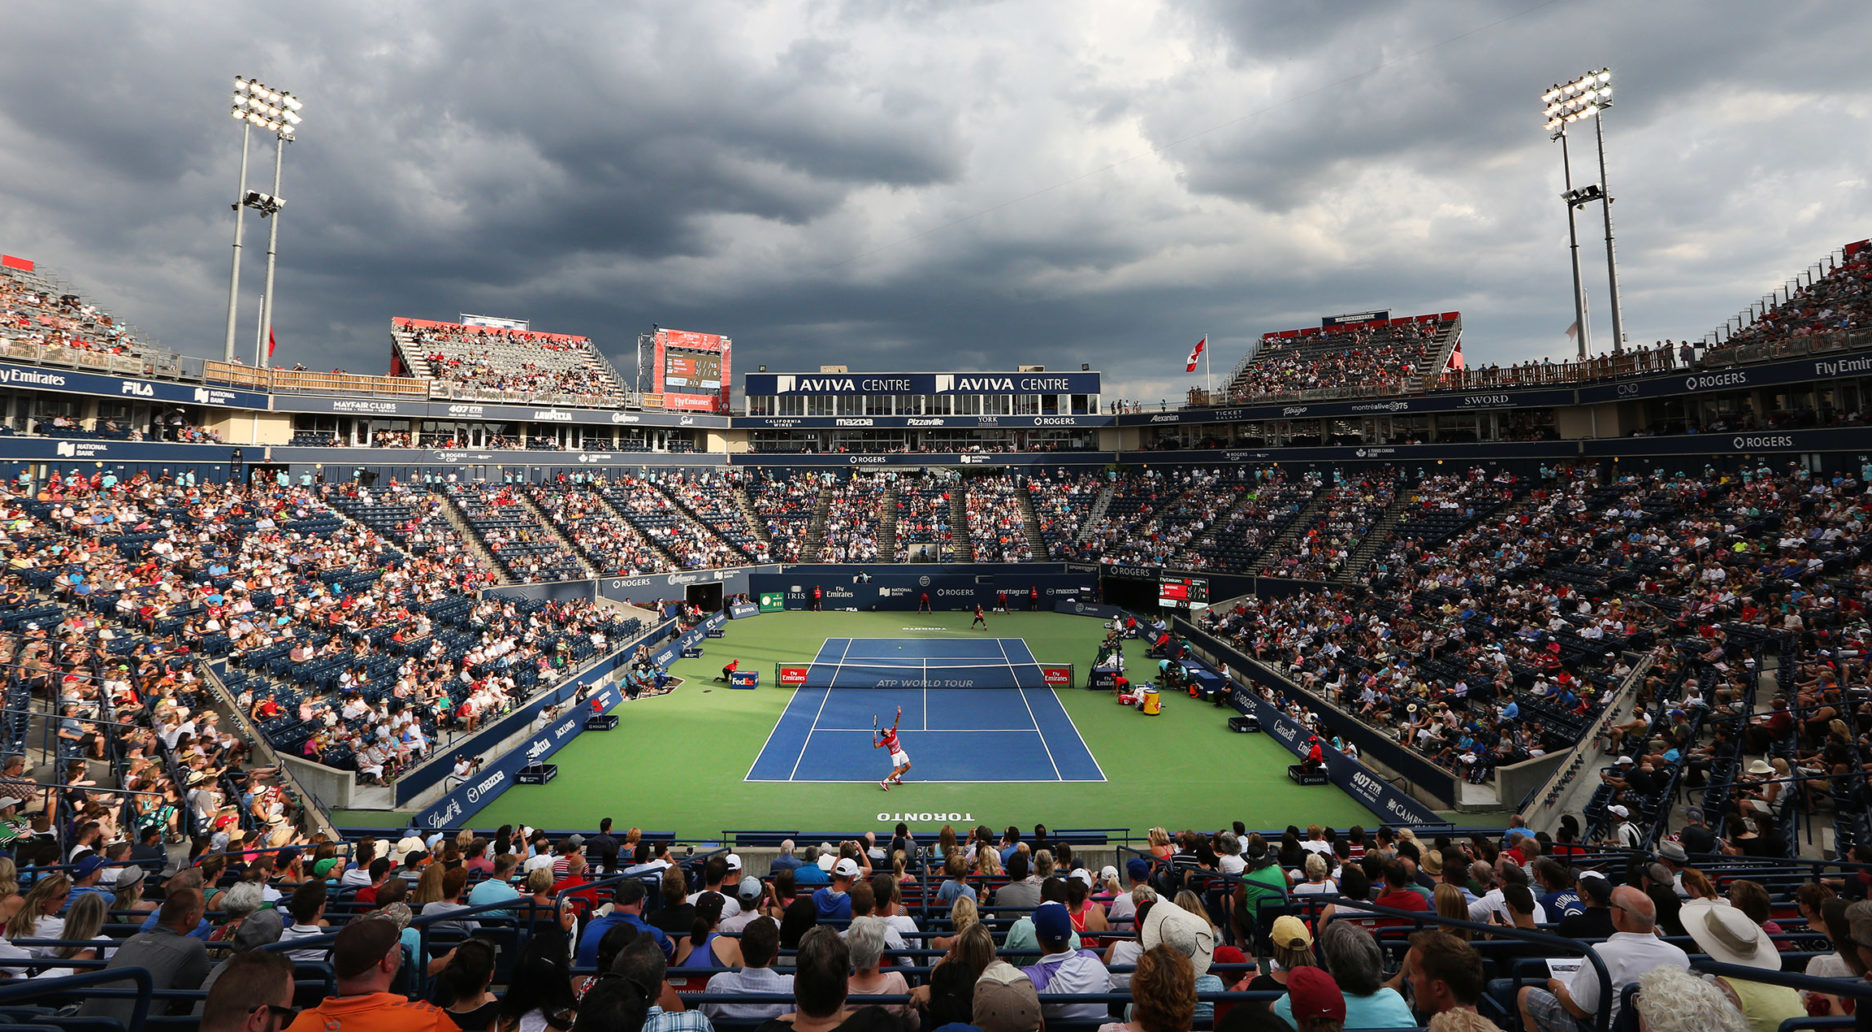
x: 1365, y: 357
x: 509, y: 361
x: 30, y: 313
x: 853, y: 520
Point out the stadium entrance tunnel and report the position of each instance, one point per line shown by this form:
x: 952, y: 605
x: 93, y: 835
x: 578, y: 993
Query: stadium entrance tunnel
x: 707, y: 597
x: 1139, y: 596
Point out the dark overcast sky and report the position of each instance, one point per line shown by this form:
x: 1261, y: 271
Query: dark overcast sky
x: 922, y: 185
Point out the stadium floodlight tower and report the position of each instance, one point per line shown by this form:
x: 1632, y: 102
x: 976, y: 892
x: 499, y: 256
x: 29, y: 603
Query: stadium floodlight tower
x: 277, y: 112
x: 1564, y: 104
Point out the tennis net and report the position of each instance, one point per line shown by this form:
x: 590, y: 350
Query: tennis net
x: 924, y: 673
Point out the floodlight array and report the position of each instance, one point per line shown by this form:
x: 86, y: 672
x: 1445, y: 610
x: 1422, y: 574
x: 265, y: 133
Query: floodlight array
x: 272, y: 110
x: 1584, y: 97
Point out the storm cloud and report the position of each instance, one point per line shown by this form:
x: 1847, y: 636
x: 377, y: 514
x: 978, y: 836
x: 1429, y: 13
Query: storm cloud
x: 922, y: 185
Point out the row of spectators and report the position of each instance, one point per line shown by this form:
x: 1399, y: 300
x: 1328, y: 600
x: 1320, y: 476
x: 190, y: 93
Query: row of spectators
x: 511, y: 361
x: 854, y: 518
x: 1003, y: 933
x: 32, y: 313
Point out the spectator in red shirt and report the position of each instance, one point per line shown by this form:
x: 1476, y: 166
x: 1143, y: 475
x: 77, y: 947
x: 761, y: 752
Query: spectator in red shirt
x: 1398, y: 893
x: 583, y: 900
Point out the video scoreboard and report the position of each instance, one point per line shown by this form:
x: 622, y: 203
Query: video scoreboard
x: 1183, y: 592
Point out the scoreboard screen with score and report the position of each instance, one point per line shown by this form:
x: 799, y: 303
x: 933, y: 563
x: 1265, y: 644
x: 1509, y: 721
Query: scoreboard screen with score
x: 1183, y: 592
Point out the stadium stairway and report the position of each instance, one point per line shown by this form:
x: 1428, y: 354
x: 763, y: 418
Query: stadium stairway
x: 1376, y: 539
x: 887, y: 524
x: 459, y: 521
x: 1095, y: 514
x: 745, y: 506
x: 1447, y: 341
x: 713, y: 526
x: 605, y: 500
x: 815, y: 535
x: 964, y: 539
x: 559, y: 536
x: 1031, y: 521
x: 1302, y: 520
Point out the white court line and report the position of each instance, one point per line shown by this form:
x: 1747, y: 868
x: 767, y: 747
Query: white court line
x: 770, y: 734
x: 951, y: 730
x: 931, y: 781
x: 809, y: 732
x: 1075, y: 727
x: 1042, y: 734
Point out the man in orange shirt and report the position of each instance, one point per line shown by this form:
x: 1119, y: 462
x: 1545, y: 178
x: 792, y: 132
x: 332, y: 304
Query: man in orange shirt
x: 365, y: 958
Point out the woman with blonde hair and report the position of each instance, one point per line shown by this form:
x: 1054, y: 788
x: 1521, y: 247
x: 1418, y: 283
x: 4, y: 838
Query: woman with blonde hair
x: 429, y: 887
x: 963, y: 915
x: 988, y: 864
x: 1159, y: 841
x: 1451, y: 903
x: 10, y: 898
x: 83, y: 923
x: 1043, y: 865
x: 37, y: 917
x: 900, y: 869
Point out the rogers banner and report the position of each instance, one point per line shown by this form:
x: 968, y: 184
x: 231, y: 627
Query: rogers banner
x: 692, y: 370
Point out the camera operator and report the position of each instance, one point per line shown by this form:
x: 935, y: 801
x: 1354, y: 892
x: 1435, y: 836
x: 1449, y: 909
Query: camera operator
x: 465, y: 767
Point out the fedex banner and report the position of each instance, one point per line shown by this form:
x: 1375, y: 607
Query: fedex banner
x: 760, y: 385
x: 1352, y: 777
x: 464, y: 801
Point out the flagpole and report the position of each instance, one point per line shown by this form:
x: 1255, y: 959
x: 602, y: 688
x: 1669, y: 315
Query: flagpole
x: 1208, y: 388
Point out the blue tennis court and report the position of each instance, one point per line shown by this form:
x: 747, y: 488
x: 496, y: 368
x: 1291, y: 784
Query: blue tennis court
x: 924, y: 663
x: 1016, y: 731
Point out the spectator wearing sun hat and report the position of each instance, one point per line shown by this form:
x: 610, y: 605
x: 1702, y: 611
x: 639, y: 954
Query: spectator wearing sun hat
x: 1728, y: 936
x: 1190, y: 935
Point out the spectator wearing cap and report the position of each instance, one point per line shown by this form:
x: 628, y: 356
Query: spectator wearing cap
x: 1004, y: 1000
x: 562, y: 857
x: 1675, y: 859
x: 1124, y: 906
x: 1314, y: 1002
x: 1356, y: 966
x: 760, y: 944
x: 1631, y: 951
x: 86, y: 877
x: 1063, y: 967
x: 1655, y: 880
x: 263, y: 928
x: 366, y: 960
x: 1595, y: 921
x: 1022, y: 942
x: 833, y: 902
x: 1729, y: 936
x: 627, y: 908
x: 173, y: 957
x: 1624, y: 834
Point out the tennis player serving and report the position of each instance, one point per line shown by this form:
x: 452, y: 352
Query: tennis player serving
x: 900, y: 760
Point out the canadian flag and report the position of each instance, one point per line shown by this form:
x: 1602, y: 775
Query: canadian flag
x: 1190, y: 366
x: 270, y: 342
